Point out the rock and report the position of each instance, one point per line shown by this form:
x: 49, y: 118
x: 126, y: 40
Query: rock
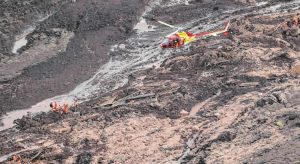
x: 267, y: 100
x: 275, y: 97
x: 90, y: 122
x: 280, y: 124
x: 249, y: 27
x: 122, y: 46
x: 281, y: 98
x: 184, y: 113
x: 295, y: 70
x: 76, y: 114
x: 85, y: 157
x: 191, y: 143
x: 226, y: 136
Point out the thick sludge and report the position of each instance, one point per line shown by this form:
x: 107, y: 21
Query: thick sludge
x: 241, y: 94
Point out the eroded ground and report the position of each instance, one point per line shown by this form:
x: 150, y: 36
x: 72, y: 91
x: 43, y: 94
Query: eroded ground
x: 232, y: 99
x: 67, y: 41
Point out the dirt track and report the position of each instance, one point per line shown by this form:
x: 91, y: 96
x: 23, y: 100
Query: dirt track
x: 228, y: 100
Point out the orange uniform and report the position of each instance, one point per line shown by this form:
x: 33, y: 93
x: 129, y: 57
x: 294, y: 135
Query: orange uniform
x: 17, y: 158
x: 57, y: 108
x: 54, y: 106
x: 65, y: 108
x: 296, y: 20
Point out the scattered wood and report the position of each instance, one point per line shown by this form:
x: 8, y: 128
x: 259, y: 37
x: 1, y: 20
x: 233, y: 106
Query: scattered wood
x: 125, y: 100
x: 37, y: 155
x: 250, y: 84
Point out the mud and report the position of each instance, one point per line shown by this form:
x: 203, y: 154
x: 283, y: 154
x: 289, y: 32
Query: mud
x: 69, y: 42
x: 241, y: 94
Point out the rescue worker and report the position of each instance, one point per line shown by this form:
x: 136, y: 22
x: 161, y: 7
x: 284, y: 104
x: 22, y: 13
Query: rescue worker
x: 296, y: 20
x: 226, y: 33
x: 175, y: 42
x: 295, y: 31
x: 17, y: 159
x: 54, y: 106
x: 57, y: 108
x: 65, y: 108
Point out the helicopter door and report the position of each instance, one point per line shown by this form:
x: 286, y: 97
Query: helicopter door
x: 175, y: 42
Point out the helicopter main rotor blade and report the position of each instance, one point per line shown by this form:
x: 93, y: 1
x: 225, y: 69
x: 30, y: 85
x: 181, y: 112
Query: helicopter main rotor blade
x: 173, y: 33
x: 166, y: 24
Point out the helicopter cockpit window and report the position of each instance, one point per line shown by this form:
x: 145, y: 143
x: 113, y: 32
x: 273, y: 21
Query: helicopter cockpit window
x: 174, y: 41
x: 165, y: 41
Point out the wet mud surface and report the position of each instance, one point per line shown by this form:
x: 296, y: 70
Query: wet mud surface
x: 232, y: 99
x: 64, y: 49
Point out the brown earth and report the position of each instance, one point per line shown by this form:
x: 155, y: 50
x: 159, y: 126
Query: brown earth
x: 242, y: 98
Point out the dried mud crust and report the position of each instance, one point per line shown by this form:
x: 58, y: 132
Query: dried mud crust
x: 64, y: 49
x: 242, y: 101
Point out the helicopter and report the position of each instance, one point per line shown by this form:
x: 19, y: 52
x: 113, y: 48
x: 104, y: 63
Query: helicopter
x: 181, y: 38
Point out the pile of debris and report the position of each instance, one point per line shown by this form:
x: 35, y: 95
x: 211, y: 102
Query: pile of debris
x: 237, y: 103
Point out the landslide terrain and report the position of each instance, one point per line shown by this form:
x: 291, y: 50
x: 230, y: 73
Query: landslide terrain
x: 67, y: 41
x: 233, y: 99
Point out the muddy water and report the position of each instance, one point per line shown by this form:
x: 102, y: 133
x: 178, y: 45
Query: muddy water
x: 141, y: 51
x: 21, y: 39
x: 110, y: 76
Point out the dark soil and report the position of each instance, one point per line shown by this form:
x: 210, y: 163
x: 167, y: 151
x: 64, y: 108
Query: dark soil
x: 97, y: 25
x: 242, y: 104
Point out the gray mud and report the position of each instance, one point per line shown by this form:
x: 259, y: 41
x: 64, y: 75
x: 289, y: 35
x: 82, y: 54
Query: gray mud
x: 68, y: 43
x: 225, y: 99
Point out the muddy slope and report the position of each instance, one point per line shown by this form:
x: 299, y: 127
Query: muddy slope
x: 65, y: 48
x: 228, y: 100
x: 16, y: 16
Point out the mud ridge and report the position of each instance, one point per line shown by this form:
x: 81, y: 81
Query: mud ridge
x: 228, y: 99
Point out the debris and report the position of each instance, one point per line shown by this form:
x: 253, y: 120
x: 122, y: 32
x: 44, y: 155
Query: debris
x: 85, y: 157
x: 125, y: 100
x: 295, y: 70
x: 275, y: 97
x: 281, y: 97
x: 250, y: 84
x: 280, y: 124
x: 221, y: 124
x: 139, y: 97
x: 226, y: 136
x: 122, y: 46
x: 77, y: 114
x: 184, y: 113
x: 108, y: 102
x: 217, y: 45
x: 38, y: 154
